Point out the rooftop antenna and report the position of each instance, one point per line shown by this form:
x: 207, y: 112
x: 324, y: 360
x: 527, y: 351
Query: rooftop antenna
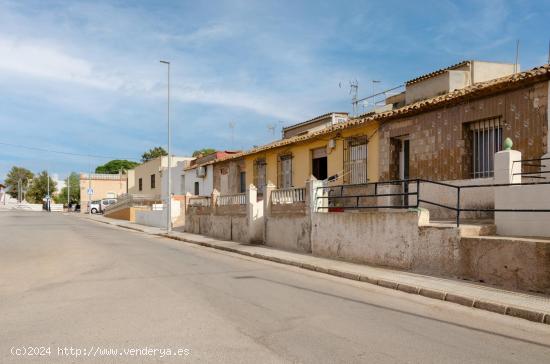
x: 517, y: 57
x: 353, y: 91
x: 374, y: 82
x: 271, y: 128
x: 548, y: 52
x: 232, y: 127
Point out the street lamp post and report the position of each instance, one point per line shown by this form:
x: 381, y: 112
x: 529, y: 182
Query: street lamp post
x: 169, y: 197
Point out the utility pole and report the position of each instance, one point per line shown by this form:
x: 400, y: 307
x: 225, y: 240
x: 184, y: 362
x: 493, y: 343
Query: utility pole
x: 68, y: 191
x: 48, y: 193
x: 169, y: 199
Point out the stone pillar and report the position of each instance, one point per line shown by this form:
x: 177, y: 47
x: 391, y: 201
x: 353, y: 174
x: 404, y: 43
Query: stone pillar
x: 505, y: 168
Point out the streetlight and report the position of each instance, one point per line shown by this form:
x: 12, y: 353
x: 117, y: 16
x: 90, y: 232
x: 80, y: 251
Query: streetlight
x: 169, y: 199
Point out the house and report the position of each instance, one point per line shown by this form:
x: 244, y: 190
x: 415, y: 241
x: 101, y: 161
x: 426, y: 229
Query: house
x: 199, y: 174
x: 150, y: 178
x: 321, y: 147
x: 102, y: 186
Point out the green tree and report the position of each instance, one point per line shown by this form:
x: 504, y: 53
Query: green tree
x: 14, y: 176
x: 115, y: 166
x: 203, y: 151
x: 153, y: 153
x: 38, y: 188
x: 74, y: 190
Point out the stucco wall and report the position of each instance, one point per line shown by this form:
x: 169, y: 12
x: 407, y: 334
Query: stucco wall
x: 301, y: 152
x: 101, y: 190
x: 206, y: 184
x: 378, y: 238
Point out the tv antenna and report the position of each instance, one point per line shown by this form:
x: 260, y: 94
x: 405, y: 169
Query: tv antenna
x: 271, y: 128
x: 354, y: 91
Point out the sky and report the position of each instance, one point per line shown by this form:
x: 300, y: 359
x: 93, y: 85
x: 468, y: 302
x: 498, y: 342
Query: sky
x: 84, y: 77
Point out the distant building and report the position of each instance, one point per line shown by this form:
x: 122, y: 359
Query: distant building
x: 199, y: 175
x: 102, y: 186
x: 314, y: 124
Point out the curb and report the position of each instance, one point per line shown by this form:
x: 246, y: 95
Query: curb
x: 514, y: 311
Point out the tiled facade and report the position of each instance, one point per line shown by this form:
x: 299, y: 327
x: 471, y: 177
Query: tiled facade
x: 440, y: 146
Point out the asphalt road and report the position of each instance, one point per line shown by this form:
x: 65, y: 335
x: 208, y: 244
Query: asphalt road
x: 69, y: 283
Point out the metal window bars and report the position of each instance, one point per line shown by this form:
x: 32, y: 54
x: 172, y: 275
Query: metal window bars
x: 486, y: 136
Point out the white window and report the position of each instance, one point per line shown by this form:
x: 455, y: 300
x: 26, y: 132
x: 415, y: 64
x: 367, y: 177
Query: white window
x: 486, y: 140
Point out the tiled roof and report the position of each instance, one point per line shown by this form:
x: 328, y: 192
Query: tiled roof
x: 438, y: 72
x: 320, y: 117
x: 478, y: 90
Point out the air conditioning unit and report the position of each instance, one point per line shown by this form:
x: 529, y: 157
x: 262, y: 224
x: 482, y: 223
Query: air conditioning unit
x: 201, y: 172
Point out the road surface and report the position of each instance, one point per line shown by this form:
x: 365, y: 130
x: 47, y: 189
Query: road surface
x: 90, y: 292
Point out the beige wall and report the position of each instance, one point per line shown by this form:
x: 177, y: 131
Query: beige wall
x: 144, y: 171
x: 101, y: 187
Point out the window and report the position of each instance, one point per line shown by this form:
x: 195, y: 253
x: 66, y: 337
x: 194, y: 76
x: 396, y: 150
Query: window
x: 242, y: 182
x: 197, y: 189
x: 355, y: 160
x: 319, y: 168
x: 486, y: 140
x: 182, y: 184
x: 285, y: 171
x: 260, y: 175
x: 152, y: 181
x: 140, y: 184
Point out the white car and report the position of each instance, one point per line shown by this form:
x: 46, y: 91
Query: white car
x: 94, y: 207
x: 98, y: 206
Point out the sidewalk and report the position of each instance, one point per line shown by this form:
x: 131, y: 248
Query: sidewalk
x: 524, y: 305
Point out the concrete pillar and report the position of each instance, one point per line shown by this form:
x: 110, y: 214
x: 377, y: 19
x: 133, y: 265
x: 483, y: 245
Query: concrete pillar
x: 547, y: 155
x: 505, y: 168
x: 313, y: 203
x: 254, y: 215
x: 269, y: 187
x: 214, y: 201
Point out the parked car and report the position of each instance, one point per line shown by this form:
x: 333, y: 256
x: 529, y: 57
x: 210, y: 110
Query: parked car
x: 94, y: 207
x: 106, y: 202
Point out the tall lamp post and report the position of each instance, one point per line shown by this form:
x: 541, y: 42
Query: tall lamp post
x: 169, y: 198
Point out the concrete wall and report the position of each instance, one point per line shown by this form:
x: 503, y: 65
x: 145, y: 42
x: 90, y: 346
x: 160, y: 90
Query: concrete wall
x: 378, y: 238
x: 128, y: 213
x: 288, y: 231
x: 157, y: 218
x: 485, y: 71
x: 157, y: 167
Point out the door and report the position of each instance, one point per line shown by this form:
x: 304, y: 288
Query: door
x: 404, y: 168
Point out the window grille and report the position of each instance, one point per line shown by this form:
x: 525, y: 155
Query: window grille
x: 355, y: 160
x: 486, y: 137
x: 260, y: 175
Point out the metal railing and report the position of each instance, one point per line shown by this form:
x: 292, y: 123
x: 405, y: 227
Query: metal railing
x: 403, y: 203
x: 227, y: 200
x: 288, y: 196
x: 530, y: 163
x: 200, y: 201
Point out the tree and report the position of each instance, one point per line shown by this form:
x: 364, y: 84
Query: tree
x: 13, y: 177
x: 153, y: 153
x: 115, y: 166
x: 203, y: 151
x: 38, y: 189
x: 74, y: 190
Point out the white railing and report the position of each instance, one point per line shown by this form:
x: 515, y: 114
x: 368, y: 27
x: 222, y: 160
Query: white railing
x: 132, y: 200
x: 288, y: 196
x: 199, y: 201
x: 227, y: 200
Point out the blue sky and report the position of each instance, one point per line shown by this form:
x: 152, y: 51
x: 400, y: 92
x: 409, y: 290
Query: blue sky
x: 84, y: 77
